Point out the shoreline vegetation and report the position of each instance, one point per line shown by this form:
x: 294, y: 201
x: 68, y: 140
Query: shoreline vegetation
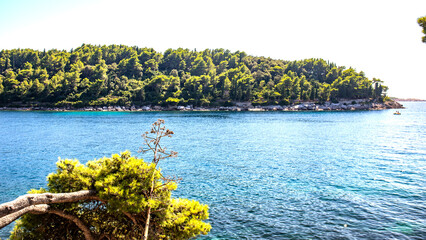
x: 91, y: 77
x: 347, y: 105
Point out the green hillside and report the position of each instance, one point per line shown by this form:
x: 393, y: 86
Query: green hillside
x: 121, y: 75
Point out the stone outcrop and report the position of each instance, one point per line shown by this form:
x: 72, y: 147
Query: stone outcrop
x: 347, y: 105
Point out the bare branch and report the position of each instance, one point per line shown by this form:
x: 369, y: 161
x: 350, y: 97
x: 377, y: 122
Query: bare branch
x: 159, y: 154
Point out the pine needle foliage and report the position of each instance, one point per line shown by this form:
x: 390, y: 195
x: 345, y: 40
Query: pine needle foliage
x: 127, y: 189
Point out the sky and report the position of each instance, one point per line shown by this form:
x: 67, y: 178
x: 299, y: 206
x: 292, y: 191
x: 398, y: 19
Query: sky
x: 380, y: 38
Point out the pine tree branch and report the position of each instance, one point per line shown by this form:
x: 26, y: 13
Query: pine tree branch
x: 6, y: 220
x: 86, y: 231
x: 44, y: 198
x: 42, y: 209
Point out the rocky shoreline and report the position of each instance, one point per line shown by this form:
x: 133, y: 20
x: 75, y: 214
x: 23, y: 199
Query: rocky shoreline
x: 349, y: 105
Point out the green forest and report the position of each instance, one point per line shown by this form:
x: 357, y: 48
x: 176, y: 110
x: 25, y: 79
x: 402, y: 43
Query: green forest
x: 121, y: 75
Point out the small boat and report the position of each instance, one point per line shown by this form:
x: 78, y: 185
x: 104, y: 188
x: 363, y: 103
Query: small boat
x: 397, y: 113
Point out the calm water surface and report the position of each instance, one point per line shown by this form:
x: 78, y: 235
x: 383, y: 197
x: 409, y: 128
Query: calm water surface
x: 269, y: 175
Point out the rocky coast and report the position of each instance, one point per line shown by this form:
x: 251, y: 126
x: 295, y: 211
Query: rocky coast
x: 347, y: 105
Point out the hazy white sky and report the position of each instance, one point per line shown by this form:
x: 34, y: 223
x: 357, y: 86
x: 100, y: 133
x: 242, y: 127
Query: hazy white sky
x: 381, y: 38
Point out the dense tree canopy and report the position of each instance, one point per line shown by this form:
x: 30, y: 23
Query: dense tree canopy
x: 422, y: 22
x: 122, y: 75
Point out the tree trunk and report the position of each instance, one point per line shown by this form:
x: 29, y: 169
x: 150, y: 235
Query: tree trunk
x: 44, y: 198
x: 6, y: 220
x: 37, y: 204
x: 148, y: 217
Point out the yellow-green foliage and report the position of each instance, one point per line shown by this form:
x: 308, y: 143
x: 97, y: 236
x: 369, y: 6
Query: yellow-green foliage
x: 123, y: 183
x: 187, y: 215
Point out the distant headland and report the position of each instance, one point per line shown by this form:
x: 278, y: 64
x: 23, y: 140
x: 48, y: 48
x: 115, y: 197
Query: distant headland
x: 99, y: 77
x: 408, y: 100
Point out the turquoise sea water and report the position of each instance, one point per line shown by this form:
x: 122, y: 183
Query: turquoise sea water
x: 265, y: 175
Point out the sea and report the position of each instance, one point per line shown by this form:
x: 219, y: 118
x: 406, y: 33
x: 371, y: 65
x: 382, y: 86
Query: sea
x: 264, y: 175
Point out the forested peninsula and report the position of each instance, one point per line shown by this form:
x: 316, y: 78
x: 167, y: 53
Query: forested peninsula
x: 99, y: 77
